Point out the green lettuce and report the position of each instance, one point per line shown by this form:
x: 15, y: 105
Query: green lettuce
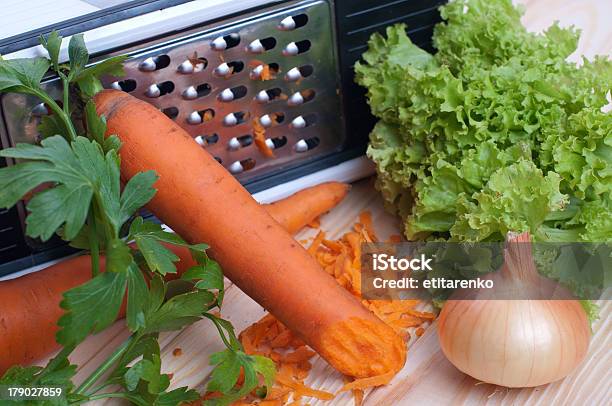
x: 495, y: 132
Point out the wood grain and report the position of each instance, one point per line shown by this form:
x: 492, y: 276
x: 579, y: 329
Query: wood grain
x: 428, y: 378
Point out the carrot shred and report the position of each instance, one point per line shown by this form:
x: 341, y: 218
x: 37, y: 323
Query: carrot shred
x: 316, y: 242
x: 259, y: 136
x: 364, y: 383
x: 305, y: 390
x: 358, y: 395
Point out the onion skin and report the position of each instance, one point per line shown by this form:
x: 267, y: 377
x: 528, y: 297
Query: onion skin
x: 514, y: 343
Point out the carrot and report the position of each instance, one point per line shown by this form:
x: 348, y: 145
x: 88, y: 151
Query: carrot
x: 28, y: 318
x: 303, y: 207
x: 254, y: 251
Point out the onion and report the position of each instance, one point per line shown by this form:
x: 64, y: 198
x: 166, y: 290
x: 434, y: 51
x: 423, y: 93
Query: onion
x: 515, y: 343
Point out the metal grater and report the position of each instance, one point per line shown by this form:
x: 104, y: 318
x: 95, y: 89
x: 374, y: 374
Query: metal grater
x: 210, y: 83
x: 316, y: 133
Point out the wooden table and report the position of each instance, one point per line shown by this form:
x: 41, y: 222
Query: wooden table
x: 427, y: 378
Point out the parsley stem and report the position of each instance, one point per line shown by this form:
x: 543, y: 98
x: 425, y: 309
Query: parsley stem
x: 59, y: 112
x: 110, y: 361
x: 122, y: 395
x: 93, y: 244
x: 66, y: 93
x: 220, y: 329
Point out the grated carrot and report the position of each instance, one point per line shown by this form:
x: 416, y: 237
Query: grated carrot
x: 365, y: 218
x: 315, y: 243
x: 358, y: 395
x: 341, y: 258
x: 259, y: 136
x: 305, y: 390
x: 364, y: 383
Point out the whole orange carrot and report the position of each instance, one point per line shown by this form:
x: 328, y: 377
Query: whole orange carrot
x: 303, y: 207
x: 202, y: 202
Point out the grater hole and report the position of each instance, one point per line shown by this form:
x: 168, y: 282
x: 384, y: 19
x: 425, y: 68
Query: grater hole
x: 201, y: 116
x: 259, y: 46
x: 218, y: 159
x: 241, y: 166
x: 245, y: 140
x: 293, y: 22
x: 279, y: 142
x: 301, y: 97
x: 274, y: 68
x: 233, y: 93
x: 232, y: 40
x: 308, y: 95
x: 236, y: 66
x: 272, y: 119
x: 206, y: 140
x: 248, y: 164
x: 264, y: 71
x: 274, y: 93
x: 306, y: 70
x: 127, y: 85
x: 212, y: 139
x: 161, y: 62
x: 203, y: 90
x: 199, y: 64
x: 266, y: 96
x: 303, y: 46
x: 313, y: 142
x: 225, y: 42
x: 207, y: 114
x: 171, y: 112
x: 300, y: 20
x: 227, y: 69
x: 166, y: 87
x: 299, y: 73
x: 235, y: 118
x: 307, y: 144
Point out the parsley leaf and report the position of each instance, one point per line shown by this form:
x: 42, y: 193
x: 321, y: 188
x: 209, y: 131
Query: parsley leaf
x: 137, y: 192
x: 87, y: 79
x: 22, y: 75
x: 76, y: 169
x: 91, y: 307
x: 136, y: 299
x: 77, y: 52
x: 53, y: 45
x: 179, y: 311
x: 209, y: 276
x: 225, y: 375
x: 149, y: 236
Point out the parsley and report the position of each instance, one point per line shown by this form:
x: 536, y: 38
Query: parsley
x: 83, y: 202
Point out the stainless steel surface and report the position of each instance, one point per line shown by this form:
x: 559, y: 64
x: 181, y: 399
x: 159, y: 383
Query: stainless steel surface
x: 206, y: 67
